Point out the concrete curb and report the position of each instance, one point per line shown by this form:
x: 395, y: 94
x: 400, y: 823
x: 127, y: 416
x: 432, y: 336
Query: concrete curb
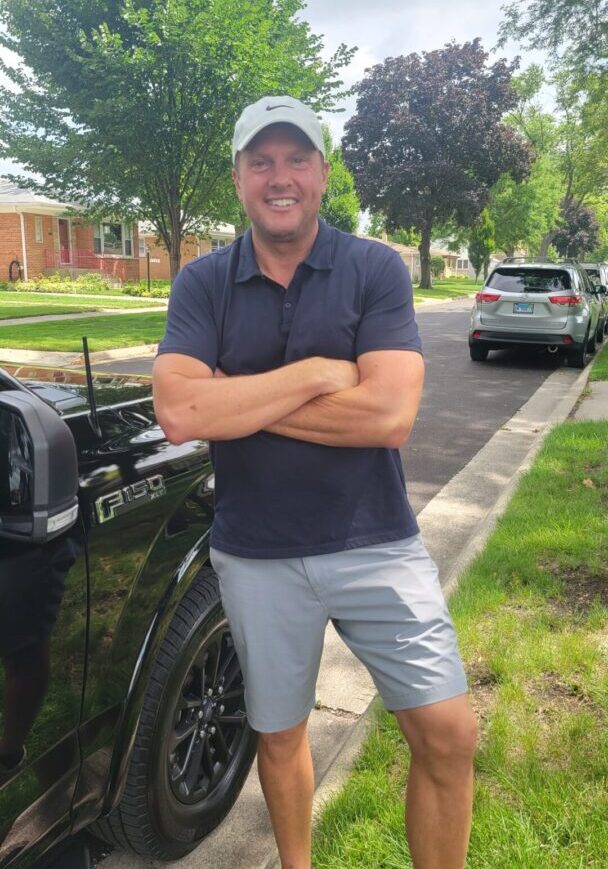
x: 478, y: 539
x: 68, y: 360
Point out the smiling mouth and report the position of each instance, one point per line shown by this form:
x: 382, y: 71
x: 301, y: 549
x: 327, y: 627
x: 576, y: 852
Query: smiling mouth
x: 282, y: 203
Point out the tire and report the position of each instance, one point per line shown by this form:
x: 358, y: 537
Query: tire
x: 193, y: 750
x: 478, y: 353
x: 591, y: 345
x: 581, y: 356
x: 599, y: 333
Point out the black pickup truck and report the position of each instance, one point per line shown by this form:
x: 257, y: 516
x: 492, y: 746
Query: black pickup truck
x: 121, y: 696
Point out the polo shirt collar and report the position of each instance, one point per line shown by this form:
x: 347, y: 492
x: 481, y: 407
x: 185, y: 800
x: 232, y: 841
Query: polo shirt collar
x: 321, y: 256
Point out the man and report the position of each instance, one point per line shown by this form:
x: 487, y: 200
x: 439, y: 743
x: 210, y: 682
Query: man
x: 295, y: 351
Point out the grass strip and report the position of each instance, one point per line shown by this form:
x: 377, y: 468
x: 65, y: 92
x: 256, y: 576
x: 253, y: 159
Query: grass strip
x: 531, y: 614
x: 446, y: 289
x: 35, y: 305
x: 104, y: 333
x: 600, y: 366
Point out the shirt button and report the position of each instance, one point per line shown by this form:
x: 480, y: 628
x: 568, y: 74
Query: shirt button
x: 288, y: 304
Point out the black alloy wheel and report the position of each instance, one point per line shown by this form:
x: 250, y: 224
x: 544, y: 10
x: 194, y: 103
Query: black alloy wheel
x: 193, y: 747
x: 210, y: 720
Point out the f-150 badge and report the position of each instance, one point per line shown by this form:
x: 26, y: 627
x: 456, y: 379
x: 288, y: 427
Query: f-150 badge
x: 122, y: 500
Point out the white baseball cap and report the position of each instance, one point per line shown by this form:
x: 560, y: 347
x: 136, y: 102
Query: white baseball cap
x: 276, y: 110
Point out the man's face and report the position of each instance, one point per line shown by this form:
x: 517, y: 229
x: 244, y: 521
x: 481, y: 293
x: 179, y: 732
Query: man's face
x: 280, y: 179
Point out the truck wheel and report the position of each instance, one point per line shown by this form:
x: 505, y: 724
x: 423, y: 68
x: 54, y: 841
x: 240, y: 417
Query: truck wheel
x: 193, y: 747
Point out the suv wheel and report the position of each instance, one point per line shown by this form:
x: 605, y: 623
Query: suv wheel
x: 193, y: 747
x: 581, y: 356
x: 591, y: 344
x: 478, y: 352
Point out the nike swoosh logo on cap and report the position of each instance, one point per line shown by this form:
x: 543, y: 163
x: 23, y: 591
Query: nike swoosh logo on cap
x: 280, y: 106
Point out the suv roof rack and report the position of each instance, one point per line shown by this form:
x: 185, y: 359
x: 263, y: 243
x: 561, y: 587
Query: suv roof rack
x: 540, y: 259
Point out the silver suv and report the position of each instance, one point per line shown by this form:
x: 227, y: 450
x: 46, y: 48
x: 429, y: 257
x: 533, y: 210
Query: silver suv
x: 540, y: 303
x: 598, y: 272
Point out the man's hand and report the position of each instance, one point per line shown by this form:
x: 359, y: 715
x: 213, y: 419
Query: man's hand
x: 341, y: 375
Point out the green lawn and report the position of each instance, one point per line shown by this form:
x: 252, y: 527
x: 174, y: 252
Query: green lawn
x: 35, y: 304
x: 600, y: 366
x: 532, y: 616
x: 103, y: 333
x: 449, y: 288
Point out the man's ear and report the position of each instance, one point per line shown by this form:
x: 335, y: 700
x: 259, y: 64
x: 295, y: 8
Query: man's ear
x: 237, y: 181
x: 326, y: 171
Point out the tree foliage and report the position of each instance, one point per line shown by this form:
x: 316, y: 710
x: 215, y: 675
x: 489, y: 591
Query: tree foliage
x: 427, y: 142
x: 340, y: 204
x: 481, y: 243
x: 579, y: 231
x: 571, y: 164
x: 377, y: 229
x: 575, y: 27
x: 129, y: 106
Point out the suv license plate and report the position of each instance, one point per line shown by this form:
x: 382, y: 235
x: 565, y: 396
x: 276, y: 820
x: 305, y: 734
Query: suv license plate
x: 523, y: 308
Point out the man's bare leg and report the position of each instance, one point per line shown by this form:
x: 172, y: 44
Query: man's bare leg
x: 286, y: 775
x: 442, y: 738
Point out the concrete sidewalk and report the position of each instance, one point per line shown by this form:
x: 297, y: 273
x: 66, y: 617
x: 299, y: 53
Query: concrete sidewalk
x: 78, y: 315
x: 594, y: 402
x: 455, y: 526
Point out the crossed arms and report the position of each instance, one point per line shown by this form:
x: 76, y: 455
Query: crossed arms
x: 372, y: 403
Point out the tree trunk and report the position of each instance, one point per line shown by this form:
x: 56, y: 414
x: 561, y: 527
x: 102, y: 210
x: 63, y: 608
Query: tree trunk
x: 424, y: 249
x: 175, y: 256
x: 546, y: 241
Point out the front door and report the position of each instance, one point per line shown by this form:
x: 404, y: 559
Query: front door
x: 64, y: 242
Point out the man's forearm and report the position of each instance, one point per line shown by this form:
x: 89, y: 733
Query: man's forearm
x: 228, y: 408
x: 354, y: 417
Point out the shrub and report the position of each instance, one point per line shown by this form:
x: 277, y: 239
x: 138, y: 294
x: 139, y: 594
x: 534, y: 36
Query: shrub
x: 437, y: 266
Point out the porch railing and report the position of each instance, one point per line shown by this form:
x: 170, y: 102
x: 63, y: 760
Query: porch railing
x: 79, y: 259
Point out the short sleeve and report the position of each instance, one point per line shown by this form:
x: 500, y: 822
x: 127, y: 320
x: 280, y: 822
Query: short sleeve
x: 191, y: 327
x: 387, y: 320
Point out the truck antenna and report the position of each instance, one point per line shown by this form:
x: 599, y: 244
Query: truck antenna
x: 91, y: 392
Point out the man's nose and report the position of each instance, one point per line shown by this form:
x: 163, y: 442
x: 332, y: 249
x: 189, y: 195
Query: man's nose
x: 280, y: 175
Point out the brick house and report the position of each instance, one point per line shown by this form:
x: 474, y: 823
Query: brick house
x: 456, y: 265
x: 37, y: 237
x: 193, y: 246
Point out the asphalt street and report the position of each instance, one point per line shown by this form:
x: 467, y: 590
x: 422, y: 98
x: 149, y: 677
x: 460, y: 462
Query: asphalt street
x: 463, y: 404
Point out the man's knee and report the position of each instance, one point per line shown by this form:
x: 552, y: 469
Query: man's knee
x: 282, y: 745
x: 442, y: 736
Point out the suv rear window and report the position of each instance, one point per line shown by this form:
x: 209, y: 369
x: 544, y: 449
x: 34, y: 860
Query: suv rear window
x: 529, y: 280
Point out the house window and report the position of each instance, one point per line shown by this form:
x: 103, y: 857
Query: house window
x: 113, y: 239
x: 142, y: 246
x: 462, y: 264
x: 38, y: 226
x: 217, y: 243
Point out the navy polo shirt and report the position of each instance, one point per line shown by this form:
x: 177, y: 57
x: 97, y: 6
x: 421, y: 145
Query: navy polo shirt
x: 278, y: 497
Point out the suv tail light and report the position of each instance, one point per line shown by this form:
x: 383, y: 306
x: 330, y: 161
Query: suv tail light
x: 487, y: 297
x: 570, y: 301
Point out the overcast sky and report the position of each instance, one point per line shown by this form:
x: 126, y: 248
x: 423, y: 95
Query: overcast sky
x: 387, y: 28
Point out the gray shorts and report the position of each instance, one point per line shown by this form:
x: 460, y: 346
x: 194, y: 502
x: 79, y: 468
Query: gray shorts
x: 385, y: 602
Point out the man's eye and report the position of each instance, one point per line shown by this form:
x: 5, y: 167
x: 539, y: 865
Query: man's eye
x: 258, y: 164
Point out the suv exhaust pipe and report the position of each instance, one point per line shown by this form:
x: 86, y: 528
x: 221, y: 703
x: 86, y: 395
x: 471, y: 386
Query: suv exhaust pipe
x: 553, y: 348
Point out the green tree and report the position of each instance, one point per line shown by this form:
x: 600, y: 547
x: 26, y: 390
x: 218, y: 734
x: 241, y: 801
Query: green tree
x: 377, y: 229
x: 427, y: 142
x: 481, y: 243
x: 128, y: 106
x: 340, y: 204
x: 575, y: 27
